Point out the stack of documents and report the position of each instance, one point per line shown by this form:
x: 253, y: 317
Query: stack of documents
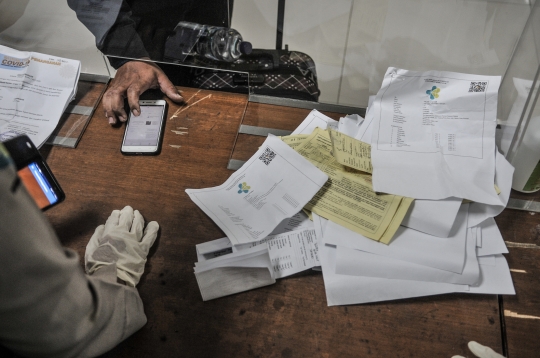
x: 400, y: 204
x: 35, y: 90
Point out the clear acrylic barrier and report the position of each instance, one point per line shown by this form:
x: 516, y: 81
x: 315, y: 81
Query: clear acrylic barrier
x: 351, y: 42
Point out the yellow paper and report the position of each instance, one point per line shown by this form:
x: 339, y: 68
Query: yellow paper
x: 348, y: 198
x: 351, y: 152
x: 294, y: 141
x: 398, y: 218
x: 497, y: 190
x: 308, y: 213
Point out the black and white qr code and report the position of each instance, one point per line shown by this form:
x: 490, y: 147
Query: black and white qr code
x: 267, y: 156
x: 478, y: 87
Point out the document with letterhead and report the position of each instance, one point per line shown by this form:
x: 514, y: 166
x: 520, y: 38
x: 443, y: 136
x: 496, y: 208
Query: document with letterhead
x: 435, y: 131
x: 35, y: 89
x: 275, y: 184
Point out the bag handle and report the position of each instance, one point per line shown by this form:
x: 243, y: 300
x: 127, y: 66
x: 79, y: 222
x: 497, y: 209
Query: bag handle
x: 272, y: 55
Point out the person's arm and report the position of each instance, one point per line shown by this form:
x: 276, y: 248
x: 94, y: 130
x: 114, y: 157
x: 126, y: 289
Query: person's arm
x: 111, y: 23
x: 116, y: 36
x: 48, y: 306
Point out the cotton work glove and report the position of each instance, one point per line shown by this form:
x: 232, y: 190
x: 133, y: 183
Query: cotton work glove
x: 481, y: 351
x: 121, y: 241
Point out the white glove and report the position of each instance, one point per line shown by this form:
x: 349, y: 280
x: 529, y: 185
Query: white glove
x: 121, y: 241
x: 481, y: 351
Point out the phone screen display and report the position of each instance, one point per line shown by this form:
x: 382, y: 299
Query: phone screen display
x: 38, y: 186
x: 143, y: 130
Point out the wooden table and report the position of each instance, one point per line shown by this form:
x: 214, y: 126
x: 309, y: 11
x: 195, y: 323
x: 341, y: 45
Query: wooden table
x: 288, y: 319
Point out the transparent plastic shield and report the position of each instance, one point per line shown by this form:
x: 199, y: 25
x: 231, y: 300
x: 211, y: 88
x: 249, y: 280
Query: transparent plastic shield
x: 353, y: 42
x: 519, y: 110
x: 337, y: 52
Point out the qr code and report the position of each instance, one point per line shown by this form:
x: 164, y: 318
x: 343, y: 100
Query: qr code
x: 267, y: 156
x: 478, y: 87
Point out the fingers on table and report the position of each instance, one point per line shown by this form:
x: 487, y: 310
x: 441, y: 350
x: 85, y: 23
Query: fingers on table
x: 138, y: 225
x: 113, y: 103
x: 125, y: 220
x: 150, y: 234
x: 167, y: 87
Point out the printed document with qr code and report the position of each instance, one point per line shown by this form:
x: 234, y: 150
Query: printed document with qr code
x: 271, y: 186
x: 434, y: 135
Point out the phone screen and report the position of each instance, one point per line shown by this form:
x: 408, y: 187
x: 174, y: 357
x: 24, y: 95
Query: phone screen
x: 38, y: 186
x: 144, y: 129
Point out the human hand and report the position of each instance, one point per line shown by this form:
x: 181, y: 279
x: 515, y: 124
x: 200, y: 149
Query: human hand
x: 481, y: 351
x: 131, y: 80
x: 123, y: 242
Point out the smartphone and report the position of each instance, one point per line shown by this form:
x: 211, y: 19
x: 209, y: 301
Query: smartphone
x: 144, y: 133
x: 34, y: 173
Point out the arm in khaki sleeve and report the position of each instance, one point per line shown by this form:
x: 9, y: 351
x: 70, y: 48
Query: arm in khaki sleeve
x: 48, y: 306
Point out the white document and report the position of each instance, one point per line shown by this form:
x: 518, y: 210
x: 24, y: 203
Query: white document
x: 350, y: 124
x: 348, y: 290
x: 298, y: 221
x: 35, y: 89
x: 487, y: 260
x: 504, y: 172
x: 360, y: 263
x: 290, y: 252
x: 252, y: 257
x: 492, y: 240
x: 313, y: 120
x: 320, y: 226
x: 435, y: 131
x: 212, y: 249
x: 411, y: 245
x: 271, y: 186
x: 434, y: 217
x: 495, y: 280
x: 365, y: 130
x: 478, y: 232
x: 237, y: 272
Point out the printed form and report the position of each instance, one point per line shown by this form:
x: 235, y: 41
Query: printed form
x: 348, y: 198
x: 35, y: 89
x: 273, y: 185
x: 435, y: 133
x: 290, y: 252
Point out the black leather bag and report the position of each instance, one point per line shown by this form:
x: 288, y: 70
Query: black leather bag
x: 280, y: 73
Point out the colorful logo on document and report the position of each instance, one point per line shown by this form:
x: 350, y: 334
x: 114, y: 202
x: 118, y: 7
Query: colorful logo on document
x: 433, y: 92
x: 13, y: 63
x: 244, y: 188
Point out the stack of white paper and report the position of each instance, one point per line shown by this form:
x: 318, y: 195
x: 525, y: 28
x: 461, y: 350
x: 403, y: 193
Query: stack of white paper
x: 233, y: 273
x: 435, y: 145
x: 35, y: 90
x: 440, y: 127
x: 258, y: 208
x: 221, y: 265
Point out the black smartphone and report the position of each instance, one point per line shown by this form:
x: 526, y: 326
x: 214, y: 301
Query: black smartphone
x: 144, y: 133
x: 34, y: 173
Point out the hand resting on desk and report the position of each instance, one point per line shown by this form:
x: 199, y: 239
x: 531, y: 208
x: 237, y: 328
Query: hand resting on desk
x: 131, y: 80
x: 481, y: 351
x: 123, y: 242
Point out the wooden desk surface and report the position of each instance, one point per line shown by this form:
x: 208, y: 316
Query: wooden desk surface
x: 288, y: 319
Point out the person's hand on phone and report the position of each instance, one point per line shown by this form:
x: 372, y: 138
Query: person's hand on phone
x: 131, y: 80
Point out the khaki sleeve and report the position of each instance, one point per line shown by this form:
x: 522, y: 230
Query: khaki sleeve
x: 48, y: 305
